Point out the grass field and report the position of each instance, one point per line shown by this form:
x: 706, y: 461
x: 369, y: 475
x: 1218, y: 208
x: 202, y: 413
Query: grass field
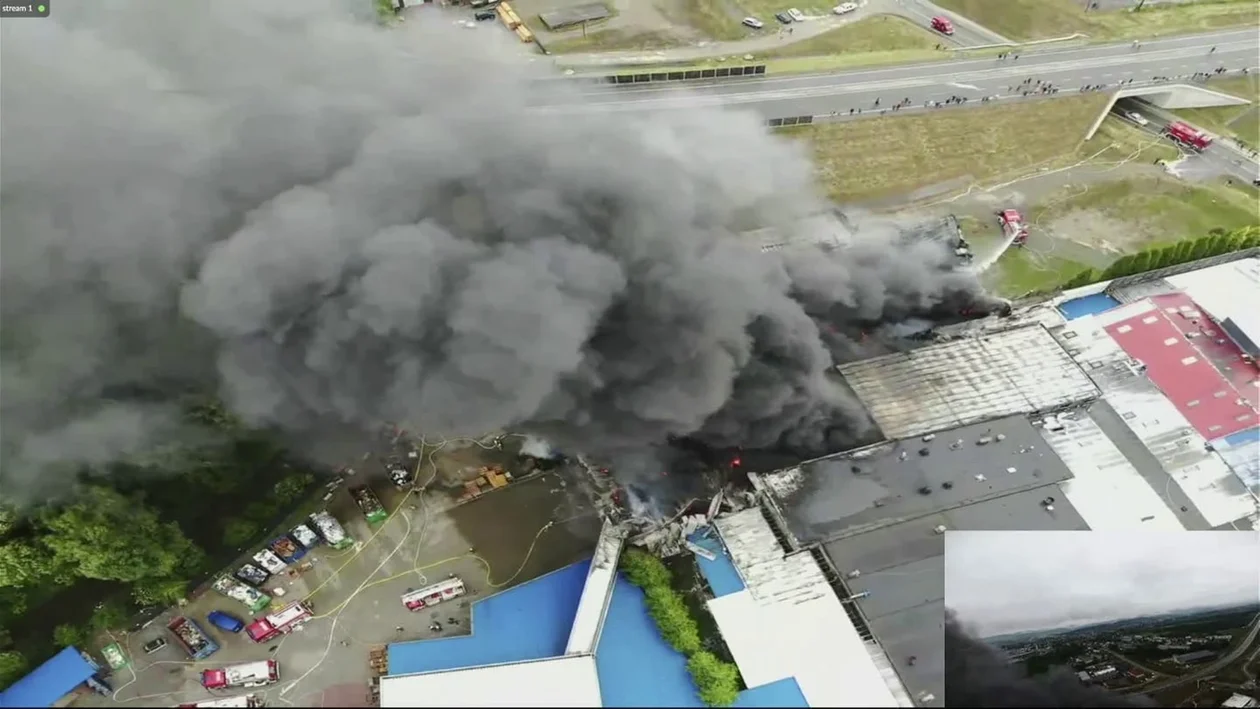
x: 711, y: 18
x: 1242, y: 122
x: 880, y: 157
x: 611, y: 40
x: 1045, y: 19
x: 880, y: 33
x: 1152, y: 211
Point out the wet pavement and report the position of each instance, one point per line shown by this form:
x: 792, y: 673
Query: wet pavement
x: 493, y: 542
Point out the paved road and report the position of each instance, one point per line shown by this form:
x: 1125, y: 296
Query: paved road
x: 774, y: 37
x: 966, y: 32
x: 1215, y: 666
x: 824, y: 94
x: 1220, y: 159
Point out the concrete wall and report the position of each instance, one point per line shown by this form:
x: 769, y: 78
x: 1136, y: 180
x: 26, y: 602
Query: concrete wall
x: 1169, y: 96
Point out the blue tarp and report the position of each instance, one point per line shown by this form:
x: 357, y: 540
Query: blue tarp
x: 1089, y: 305
x: 49, y: 682
x: 1250, y: 437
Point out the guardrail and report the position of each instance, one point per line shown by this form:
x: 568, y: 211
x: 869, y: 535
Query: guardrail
x: 686, y: 74
x: 791, y: 121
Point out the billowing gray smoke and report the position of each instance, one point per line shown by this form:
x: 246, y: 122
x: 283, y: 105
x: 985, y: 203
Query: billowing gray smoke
x: 977, y: 676
x: 333, y: 225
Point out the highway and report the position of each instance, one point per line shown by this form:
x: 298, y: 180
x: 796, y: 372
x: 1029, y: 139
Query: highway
x: 822, y: 95
x: 1220, y: 158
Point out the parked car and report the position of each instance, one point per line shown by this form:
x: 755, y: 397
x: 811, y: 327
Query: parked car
x: 844, y: 8
x: 796, y: 15
x: 226, y: 621
x: 783, y: 18
x: 154, y: 645
x: 1137, y: 118
x: 483, y: 16
x: 753, y: 23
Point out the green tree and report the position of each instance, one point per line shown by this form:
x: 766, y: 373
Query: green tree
x: 716, y: 682
x: 1218, y: 244
x: 291, y: 487
x: 1141, y: 262
x: 68, y: 635
x: 1082, y: 278
x: 13, y: 666
x: 1183, y: 251
x: 1119, y: 267
x: 106, y: 535
x: 159, y: 592
x: 673, y: 619
x: 1200, y: 247
x: 239, y: 531
x: 644, y: 570
x: 23, y: 564
x: 108, y: 615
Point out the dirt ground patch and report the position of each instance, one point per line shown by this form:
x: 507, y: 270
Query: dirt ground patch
x: 880, y: 33
x: 869, y: 159
x: 635, y: 24
x: 1045, y: 19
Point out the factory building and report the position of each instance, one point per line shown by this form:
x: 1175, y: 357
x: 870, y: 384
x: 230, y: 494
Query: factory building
x: 1102, y: 410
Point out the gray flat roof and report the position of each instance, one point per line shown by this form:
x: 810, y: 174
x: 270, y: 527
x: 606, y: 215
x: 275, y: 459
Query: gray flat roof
x: 893, y: 482
x: 974, y: 378
x: 902, y: 568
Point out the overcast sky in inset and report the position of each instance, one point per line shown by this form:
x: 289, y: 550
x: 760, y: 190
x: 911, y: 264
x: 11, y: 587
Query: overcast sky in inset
x: 1006, y: 582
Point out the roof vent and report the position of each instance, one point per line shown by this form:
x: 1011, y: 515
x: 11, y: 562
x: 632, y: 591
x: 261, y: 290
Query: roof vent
x: 925, y: 490
x: 925, y: 451
x: 939, y: 529
x: 854, y: 574
x: 1001, y: 437
x: 947, y: 485
x: 929, y: 437
x: 856, y: 469
x: 980, y: 477
x: 983, y: 440
x: 1010, y: 471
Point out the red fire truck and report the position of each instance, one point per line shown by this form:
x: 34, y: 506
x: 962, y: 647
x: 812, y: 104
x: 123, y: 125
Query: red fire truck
x: 282, y: 622
x: 1013, y: 226
x: 943, y: 25
x: 1184, y: 134
x: 245, y: 700
x: 433, y: 595
x: 245, y: 674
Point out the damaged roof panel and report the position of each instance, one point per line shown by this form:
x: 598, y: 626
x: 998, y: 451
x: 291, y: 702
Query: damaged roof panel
x: 972, y: 379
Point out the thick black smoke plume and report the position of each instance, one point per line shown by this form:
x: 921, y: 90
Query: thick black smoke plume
x: 333, y: 225
x: 977, y: 675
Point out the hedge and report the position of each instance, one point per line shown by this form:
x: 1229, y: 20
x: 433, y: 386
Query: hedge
x: 717, y: 682
x: 1217, y: 242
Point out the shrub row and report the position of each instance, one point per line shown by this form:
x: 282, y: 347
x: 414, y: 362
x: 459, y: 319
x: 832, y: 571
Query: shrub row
x: 717, y: 682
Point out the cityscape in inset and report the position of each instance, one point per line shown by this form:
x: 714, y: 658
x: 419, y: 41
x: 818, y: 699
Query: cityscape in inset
x: 1172, y: 616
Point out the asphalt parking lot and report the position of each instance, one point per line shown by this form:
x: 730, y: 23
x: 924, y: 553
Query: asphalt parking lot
x: 496, y: 541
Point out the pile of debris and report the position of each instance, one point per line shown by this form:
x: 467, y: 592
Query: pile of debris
x: 378, y: 665
x: 492, y: 477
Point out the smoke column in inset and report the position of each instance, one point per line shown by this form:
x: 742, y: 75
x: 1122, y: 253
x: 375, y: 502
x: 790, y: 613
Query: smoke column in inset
x: 976, y: 675
x: 332, y: 225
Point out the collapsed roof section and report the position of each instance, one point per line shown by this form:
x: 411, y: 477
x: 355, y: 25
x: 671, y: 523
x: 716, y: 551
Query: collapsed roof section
x: 974, y: 378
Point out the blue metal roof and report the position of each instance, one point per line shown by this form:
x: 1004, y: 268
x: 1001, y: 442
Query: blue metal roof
x: 49, y: 682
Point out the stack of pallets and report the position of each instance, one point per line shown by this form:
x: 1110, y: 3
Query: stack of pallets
x: 378, y: 663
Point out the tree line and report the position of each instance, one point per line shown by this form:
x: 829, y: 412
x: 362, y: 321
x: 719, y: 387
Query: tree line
x: 1217, y: 242
x: 135, y: 534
